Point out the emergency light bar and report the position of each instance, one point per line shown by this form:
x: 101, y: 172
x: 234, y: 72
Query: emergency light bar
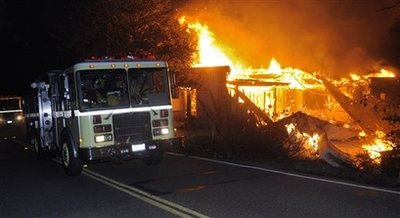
x: 121, y: 58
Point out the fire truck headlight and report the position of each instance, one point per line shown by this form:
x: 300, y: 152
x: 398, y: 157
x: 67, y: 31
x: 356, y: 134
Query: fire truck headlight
x: 160, y: 131
x: 164, y: 131
x: 103, y: 138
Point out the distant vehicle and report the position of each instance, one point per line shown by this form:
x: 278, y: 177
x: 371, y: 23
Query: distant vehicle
x: 102, y: 109
x: 11, y: 116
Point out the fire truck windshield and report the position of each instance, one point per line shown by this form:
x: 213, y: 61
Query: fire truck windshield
x: 7, y: 104
x: 118, y: 88
x: 146, y: 84
x: 103, y: 89
x: 10, y: 111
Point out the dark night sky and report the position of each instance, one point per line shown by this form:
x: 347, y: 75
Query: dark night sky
x: 29, y: 49
x: 25, y: 42
x: 17, y: 55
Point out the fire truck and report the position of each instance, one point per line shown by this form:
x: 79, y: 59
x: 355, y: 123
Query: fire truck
x: 11, y: 116
x: 102, y: 109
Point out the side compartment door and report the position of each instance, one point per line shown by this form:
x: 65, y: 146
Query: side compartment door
x: 45, y: 116
x: 57, y: 109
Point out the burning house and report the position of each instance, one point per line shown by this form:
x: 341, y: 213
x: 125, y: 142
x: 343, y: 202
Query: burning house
x: 336, y: 121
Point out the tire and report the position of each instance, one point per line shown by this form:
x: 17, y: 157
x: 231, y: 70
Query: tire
x: 154, y: 158
x: 71, y: 165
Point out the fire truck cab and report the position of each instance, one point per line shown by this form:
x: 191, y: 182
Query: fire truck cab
x: 102, y: 109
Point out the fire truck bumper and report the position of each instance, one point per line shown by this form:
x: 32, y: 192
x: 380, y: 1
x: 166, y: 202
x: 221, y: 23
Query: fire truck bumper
x: 127, y: 151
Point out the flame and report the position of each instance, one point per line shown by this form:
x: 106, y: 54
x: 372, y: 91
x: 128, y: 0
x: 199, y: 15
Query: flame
x: 378, y: 145
x: 355, y: 76
x: 385, y: 73
x: 211, y: 54
x: 274, y: 67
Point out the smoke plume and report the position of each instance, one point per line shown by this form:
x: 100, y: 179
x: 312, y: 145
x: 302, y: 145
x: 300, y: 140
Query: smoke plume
x: 336, y: 37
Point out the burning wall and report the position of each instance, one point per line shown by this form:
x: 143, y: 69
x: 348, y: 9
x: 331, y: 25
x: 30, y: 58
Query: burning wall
x: 210, y: 100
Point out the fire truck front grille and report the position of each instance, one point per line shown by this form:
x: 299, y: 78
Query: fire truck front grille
x: 132, y: 127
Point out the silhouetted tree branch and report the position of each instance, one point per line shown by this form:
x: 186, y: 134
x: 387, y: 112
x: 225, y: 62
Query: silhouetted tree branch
x: 119, y: 27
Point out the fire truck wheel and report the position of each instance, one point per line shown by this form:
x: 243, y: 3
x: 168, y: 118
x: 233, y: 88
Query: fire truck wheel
x: 72, y: 165
x: 154, y: 158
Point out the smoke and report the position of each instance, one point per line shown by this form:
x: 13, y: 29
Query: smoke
x: 336, y: 37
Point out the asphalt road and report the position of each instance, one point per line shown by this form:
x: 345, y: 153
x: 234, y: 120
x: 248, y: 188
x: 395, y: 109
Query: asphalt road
x: 39, y: 188
x: 182, y: 186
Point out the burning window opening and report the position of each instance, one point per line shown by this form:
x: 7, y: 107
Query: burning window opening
x: 279, y: 92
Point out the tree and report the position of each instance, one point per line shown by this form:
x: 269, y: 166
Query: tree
x: 117, y: 27
x: 391, y: 45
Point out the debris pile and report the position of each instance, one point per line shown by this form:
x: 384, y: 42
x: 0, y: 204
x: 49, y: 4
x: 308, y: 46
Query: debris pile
x: 250, y: 135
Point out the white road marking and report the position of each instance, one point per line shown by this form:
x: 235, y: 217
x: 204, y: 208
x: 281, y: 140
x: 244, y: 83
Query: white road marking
x: 186, y: 212
x: 289, y: 174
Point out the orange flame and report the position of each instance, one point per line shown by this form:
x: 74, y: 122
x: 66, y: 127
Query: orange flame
x: 211, y: 54
x: 384, y: 73
x: 379, y: 145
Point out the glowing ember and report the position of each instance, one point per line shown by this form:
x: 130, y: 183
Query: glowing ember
x: 362, y: 134
x: 290, y: 128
